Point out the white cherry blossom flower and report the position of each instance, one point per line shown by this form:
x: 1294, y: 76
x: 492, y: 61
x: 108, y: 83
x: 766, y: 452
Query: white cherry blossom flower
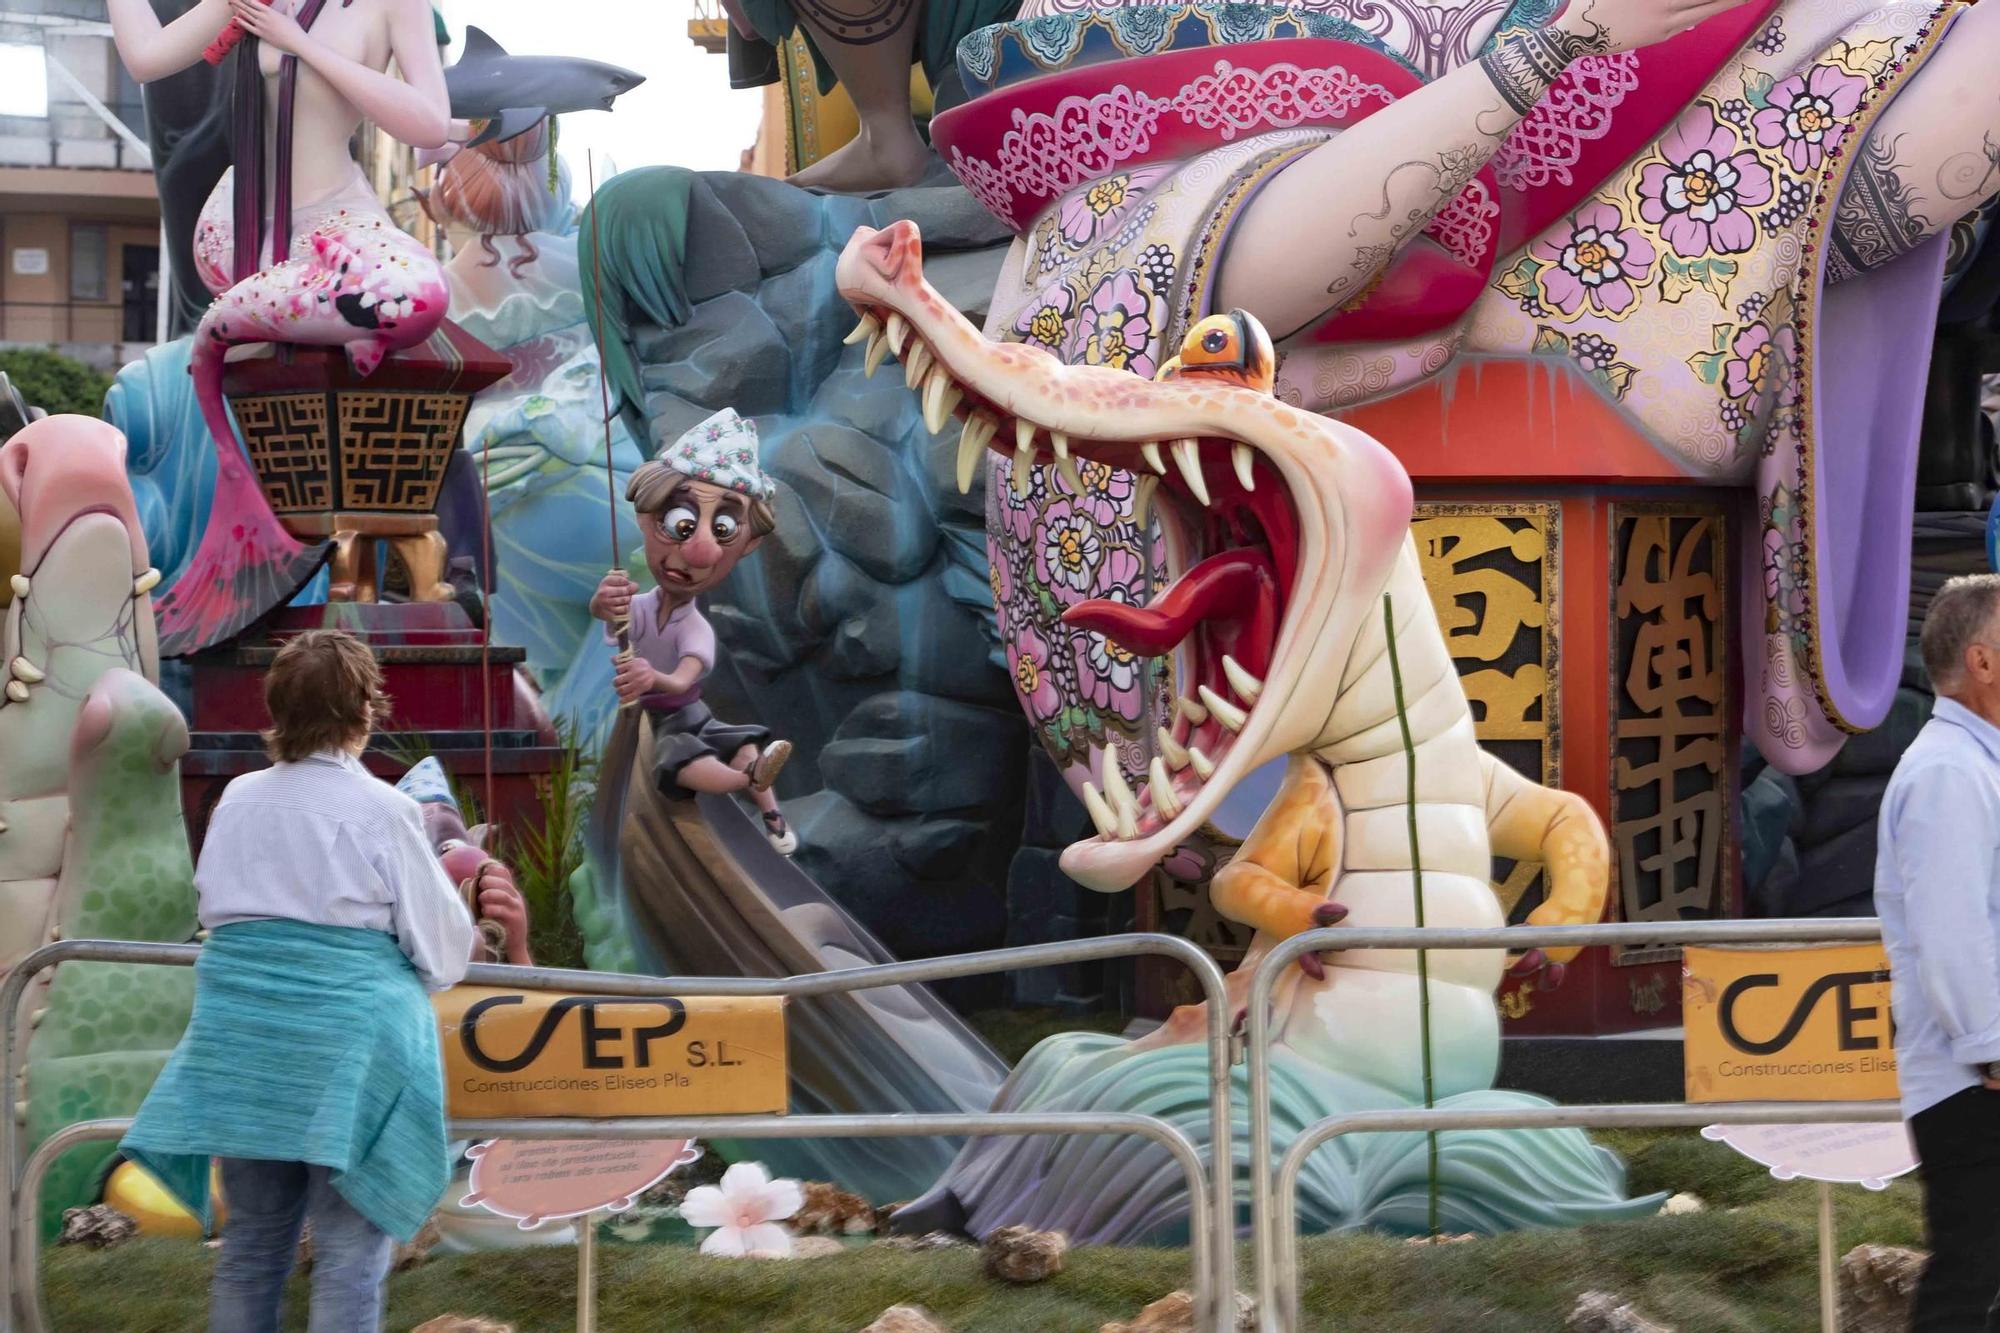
x: 745, y: 1210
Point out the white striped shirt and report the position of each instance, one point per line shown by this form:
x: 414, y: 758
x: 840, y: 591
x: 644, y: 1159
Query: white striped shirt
x: 327, y: 842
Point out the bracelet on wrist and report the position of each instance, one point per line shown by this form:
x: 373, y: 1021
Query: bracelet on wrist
x: 1522, y: 65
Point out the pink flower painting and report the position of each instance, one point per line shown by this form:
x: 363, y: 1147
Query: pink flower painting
x: 1095, y: 210
x: 1808, y: 114
x: 1107, y: 491
x: 1116, y: 326
x: 1758, y: 359
x: 1028, y: 666
x: 1597, y: 264
x: 1698, y: 196
x: 1069, y: 548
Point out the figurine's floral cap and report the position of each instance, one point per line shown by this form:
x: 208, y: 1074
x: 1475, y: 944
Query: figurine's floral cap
x: 723, y: 452
x: 426, y: 783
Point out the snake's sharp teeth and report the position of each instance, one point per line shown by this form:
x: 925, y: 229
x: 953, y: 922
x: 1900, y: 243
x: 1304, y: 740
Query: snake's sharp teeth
x: 1240, y: 455
x: 1024, y: 435
x: 865, y: 331
x: 17, y: 691
x: 1175, y: 752
x: 916, y: 363
x: 1192, y: 711
x: 27, y: 671
x: 898, y: 333
x: 878, y: 348
x: 1100, y: 813
x: 1223, y: 711
x: 1113, y: 778
x: 1187, y: 457
x: 1060, y: 443
x: 1128, y: 820
x: 19, y: 583
x: 1204, y: 767
x: 1162, y: 788
x: 1024, y: 472
x: 1153, y: 459
x: 972, y: 441
x: 1247, y: 686
x: 145, y: 583
x: 941, y: 398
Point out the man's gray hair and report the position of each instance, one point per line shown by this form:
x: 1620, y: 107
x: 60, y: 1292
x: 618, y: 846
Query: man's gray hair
x: 1963, y: 609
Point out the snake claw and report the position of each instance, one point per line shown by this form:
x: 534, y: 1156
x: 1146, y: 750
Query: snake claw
x: 1329, y: 914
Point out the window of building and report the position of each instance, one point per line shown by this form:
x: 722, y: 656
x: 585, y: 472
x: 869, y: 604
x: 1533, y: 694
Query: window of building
x: 89, y: 262
x: 24, y: 81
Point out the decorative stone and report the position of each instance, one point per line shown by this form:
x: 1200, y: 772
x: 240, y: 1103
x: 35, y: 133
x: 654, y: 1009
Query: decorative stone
x: 1682, y: 1204
x: 829, y: 1210
x: 1878, y: 1284
x: 1601, y: 1312
x: 1176, y: 1313
x: 1020, y: 1255
x: 98, y: 1227
x: 906, y: 1319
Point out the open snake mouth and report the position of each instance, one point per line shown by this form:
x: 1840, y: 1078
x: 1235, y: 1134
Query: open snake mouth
x: 1230, y: 538
x: 1231, y: 528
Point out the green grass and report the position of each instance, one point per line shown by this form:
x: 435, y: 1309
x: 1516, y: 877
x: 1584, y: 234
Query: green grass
x: 1743, y: 1267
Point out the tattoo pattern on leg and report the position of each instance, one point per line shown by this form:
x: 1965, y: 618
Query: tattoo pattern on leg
x: 1875, y: 219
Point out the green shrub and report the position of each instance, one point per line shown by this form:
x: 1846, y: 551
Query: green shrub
x: 55, y: 383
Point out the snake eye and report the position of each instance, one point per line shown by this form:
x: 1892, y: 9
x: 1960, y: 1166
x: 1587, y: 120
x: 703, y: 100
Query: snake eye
x: 1214, y: 341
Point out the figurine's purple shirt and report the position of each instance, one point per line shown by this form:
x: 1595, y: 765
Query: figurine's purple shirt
x: 686, y: 633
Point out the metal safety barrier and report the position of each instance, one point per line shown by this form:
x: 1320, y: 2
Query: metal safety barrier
x: 1211, y: 1198
x: 1273, y: 1223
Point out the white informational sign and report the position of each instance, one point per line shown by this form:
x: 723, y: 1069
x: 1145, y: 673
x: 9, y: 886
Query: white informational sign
x: 1870, y: 1155
x: 535, y: 1180
x: 31, y: 263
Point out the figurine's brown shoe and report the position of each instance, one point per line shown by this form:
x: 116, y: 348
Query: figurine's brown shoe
x: 765, y: 770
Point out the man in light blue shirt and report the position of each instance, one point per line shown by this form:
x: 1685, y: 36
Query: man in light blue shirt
x: 1937, y: 889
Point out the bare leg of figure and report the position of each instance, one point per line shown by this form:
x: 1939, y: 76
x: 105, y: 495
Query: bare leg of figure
x: 1933, y: 157
x: 710, y: 774
x: 871, y: 45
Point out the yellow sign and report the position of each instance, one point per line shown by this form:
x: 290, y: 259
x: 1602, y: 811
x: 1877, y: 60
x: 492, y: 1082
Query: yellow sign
x: 538, y: 1053
x: 1788, y: 1025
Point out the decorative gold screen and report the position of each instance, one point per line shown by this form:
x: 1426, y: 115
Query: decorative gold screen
x: 1671, y: 697
x: 1492, y: 571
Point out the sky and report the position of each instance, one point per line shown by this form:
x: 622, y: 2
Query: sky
x: 685, y: 114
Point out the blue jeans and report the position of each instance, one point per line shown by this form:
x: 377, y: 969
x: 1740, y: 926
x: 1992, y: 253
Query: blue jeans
x: 267, y: 1202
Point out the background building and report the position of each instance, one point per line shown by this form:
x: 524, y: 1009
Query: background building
x: 79, y: 220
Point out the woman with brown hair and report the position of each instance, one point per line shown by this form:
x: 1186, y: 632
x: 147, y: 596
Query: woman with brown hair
x: 311, y: 1066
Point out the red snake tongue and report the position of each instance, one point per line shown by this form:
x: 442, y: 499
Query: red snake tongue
x: 1236, y: 585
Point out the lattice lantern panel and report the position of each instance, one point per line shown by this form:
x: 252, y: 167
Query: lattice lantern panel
x: 386, y: 452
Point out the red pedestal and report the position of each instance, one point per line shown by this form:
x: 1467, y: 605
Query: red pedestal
x: 449, y: 693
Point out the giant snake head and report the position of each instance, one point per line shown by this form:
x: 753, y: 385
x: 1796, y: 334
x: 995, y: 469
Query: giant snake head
x: 1280, y: 529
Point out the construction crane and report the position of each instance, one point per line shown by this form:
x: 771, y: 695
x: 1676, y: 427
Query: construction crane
x: 708, y: 27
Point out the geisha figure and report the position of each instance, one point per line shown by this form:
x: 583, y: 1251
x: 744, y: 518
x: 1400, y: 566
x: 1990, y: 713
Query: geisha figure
x: 292, y: 241
x: 702, y: 506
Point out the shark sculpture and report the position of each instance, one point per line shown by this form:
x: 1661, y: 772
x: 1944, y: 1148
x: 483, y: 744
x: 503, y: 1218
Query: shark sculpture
x: 513, y: 94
